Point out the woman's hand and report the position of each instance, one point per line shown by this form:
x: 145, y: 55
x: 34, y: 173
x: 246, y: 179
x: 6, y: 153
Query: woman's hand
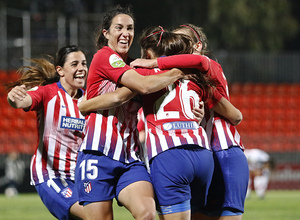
x: 18, y: 97
x: 18, y: 92
x: 199, y: 112
x: 145, y: 63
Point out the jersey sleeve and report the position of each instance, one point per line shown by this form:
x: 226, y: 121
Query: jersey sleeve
x: 37, y: 96
x: 105, y: 66
x: 199, y: 62
x: 216, y: 97
x: 111, y: 65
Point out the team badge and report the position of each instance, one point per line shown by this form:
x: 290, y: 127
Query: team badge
x: 116, y: 61
x: 67, y: 192
x: 87, y: 187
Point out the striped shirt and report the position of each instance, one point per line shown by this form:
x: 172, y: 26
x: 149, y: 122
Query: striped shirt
x: 60, y: 132
x: 112, y: 132
x: 221, y: 133
x: 169, y: 119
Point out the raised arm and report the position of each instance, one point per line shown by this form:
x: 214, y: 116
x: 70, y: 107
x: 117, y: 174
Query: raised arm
x: 227, y: 110
x: 18, y: 97
x: 106, y: 101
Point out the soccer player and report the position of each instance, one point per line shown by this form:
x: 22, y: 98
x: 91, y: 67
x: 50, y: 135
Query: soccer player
x: 260, y: 166
x: 54, y: 92
x: 108, y: 164
x: 229, y: 184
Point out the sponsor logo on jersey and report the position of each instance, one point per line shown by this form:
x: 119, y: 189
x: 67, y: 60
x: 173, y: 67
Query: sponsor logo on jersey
x: 116, y: 61
x: 179, y: 125
x: 87, y: 187
x: 67, y: 192
x: 72, y: 123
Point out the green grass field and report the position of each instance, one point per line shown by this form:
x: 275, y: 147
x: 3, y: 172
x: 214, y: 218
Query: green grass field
x: 278, y: 205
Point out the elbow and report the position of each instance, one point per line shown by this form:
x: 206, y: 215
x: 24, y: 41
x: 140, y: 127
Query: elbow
x: 238, y: 119
x: 82, y: 110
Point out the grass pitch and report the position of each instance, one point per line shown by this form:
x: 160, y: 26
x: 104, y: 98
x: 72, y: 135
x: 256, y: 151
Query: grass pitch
x: 278, y: 205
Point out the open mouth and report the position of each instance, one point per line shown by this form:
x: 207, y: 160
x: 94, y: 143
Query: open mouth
x: 124, y: 42
x: 80, y: 76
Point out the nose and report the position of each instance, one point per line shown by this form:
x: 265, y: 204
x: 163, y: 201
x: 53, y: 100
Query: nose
x: 82, y: 67
x: 125, y: 32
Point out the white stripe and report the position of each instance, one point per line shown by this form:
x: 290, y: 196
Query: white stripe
x: 229, y: 132
x: 188, y: 138
x: 97, y: 130
x: 199, y: 139
x: 162, y: 139
x: 152, y: 143
x: 221, y: 134
x: 71, y: 105
x: 108, y: 134
x: 51, y: 140
x: 207, y: 144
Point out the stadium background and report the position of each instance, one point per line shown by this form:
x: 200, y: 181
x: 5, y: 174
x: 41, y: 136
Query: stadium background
x: 260, y: 59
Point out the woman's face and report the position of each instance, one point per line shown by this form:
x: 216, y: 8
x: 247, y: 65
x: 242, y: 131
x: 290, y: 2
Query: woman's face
x: 120, y: 34
x: 74, y: 72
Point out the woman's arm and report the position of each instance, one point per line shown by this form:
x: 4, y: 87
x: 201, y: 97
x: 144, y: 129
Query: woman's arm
x: 106, y: 101
x: 18, y: 97
x: 150, y: 83
x: 176, y: 61
x: 227, y: 110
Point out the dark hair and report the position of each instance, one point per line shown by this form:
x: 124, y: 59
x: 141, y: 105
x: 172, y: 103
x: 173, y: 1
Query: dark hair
x: 163, y: 42
x: 196, y: 33
x: 100, y: 40
x: 44, y: 71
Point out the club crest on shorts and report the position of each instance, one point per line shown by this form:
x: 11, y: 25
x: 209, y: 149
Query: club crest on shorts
x: 116, y: 61
x: 87, y: 187
x: 67, y: 192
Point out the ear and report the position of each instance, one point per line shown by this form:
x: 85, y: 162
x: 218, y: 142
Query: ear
x: 59, y: 71
x: 198, y: 46
x: 105, y: 33
x: 149, y: 54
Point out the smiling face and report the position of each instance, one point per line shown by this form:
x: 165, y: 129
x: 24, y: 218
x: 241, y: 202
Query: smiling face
x: 73, y: 73
x: 120, y: 34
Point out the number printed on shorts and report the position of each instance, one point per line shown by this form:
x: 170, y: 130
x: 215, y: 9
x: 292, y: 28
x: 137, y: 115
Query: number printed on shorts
x: 88, y: 169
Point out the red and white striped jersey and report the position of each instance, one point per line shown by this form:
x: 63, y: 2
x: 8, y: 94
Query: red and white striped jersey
x: 169, y: 119
x: 60, y: 133
x: 112, y: 132
x: 221, y: 133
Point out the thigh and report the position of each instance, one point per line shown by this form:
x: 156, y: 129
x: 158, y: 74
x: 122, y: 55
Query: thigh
x: 99, y: 210
x: 138, y: 198
x: 171, y: 174
x: 174, y: 171
x: 58, y: 195
x: 230, y: 180
x: 200, y: 186
x: 135, y: 191
x: 96, y: 177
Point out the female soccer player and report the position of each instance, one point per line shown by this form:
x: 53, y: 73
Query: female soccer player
x: 54, y: 92
x: 157, y: 42
x: 108, y: 164
x: 229, y: 185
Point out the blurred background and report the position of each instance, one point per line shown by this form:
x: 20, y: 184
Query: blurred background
x: 257, y: 42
